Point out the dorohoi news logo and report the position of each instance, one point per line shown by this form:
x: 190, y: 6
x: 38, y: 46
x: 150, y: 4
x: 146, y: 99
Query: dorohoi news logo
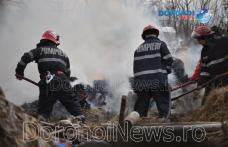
x: 204, y: 16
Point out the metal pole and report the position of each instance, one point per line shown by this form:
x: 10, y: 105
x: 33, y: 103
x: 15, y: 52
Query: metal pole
x: 182, y: 85
x: 201, y: 86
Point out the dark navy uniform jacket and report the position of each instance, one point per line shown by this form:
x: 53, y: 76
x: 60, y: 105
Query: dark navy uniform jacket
x: 48, y: 57
x: 152, y: 64
x: 214, y: 57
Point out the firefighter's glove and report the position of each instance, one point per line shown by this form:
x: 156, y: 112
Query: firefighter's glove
x: 19, y: 77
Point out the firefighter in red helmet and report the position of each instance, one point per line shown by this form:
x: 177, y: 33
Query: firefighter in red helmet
x: 54, y: 69
x: 213, y: 60
x: 152, y: 30
x: 52, y: 36
x: 152, y: 64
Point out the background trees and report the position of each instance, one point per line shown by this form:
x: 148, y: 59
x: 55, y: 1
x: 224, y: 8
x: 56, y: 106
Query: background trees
x: 184, y: 26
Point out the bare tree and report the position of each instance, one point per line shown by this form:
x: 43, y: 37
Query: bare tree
x: 185, y: 26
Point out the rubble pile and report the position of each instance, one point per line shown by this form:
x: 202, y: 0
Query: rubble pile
x: 97, y: 116
x: 59, y: 111
x: 93, y: 115
x: 12, y: 118
x: 215, y: 108
x: 31, y: 108
x: 11, y: 126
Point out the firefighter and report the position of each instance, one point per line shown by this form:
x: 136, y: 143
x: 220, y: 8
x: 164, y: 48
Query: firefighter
x: 80, y: 90
x: 213, y: 60
x: 54, y: 69
x: 152, y: 64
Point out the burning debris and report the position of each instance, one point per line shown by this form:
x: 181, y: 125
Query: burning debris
x: 189, y: 102
x: 59, y: 112
x: 92, y: 100
x: 217, y: 100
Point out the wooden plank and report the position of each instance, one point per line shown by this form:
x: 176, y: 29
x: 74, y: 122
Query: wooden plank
x: 122, y: 109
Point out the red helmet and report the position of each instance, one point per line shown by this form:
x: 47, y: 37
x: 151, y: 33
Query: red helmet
x: 52, y: 36
x: 201, y: 32
x: 151, y: 28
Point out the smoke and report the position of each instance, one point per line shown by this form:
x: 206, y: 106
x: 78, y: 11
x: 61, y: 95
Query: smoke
x: 99, y: 37
x: 190, y: 55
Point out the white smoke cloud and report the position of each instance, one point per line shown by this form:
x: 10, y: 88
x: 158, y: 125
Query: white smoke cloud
x: 99, y: 36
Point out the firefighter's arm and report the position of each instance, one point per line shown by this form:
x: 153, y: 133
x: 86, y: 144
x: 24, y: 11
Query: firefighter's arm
x: 68, y: 71
x: 204, y: 74
x: 28, y: 57
x: 197, y: 71
x: 133, y: 80
x: 166, y: 57
x: 134, y: 70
